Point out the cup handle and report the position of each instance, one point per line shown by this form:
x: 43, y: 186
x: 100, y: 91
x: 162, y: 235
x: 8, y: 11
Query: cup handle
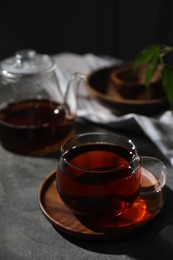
x: 153, y: 175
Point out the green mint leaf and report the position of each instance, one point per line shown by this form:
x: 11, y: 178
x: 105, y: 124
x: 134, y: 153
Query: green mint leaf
x: 150, y: 71
x: 167, y: 82
x: 151, y: 52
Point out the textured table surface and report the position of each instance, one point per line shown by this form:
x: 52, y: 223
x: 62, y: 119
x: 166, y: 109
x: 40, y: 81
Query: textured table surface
x: 26, y: 234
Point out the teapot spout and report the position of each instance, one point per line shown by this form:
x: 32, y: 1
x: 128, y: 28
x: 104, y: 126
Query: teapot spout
x: 71, y: 95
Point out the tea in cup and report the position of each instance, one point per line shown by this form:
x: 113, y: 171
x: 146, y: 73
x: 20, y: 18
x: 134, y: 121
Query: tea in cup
x: 98, y: 173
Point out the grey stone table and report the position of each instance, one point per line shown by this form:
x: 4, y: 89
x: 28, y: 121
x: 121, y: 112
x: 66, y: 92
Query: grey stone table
x: 26, y: 234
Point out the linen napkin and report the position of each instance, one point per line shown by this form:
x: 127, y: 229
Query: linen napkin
x: 159, y: 128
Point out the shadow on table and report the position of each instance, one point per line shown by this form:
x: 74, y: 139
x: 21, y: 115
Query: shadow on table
x: 155, y: 240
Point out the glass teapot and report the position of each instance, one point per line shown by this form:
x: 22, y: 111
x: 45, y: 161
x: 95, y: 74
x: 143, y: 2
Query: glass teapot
x: 35, y: 116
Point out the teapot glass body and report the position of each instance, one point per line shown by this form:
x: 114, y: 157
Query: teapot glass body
x: 34, y: 115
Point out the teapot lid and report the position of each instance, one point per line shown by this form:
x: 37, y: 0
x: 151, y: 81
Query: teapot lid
x: 26, y: 62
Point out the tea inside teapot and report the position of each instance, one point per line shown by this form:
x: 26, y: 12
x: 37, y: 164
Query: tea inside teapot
x: 34, y: 117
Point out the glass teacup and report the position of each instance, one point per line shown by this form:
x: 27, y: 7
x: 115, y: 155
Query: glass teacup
x: 100, y: 174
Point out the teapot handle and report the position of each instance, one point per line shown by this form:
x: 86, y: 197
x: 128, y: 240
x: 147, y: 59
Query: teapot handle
x: 71, y: 95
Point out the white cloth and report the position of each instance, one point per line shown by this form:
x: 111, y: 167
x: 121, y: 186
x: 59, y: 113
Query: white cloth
x: 159, y: 129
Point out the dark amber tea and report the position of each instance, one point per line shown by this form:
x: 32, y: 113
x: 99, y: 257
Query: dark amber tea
x: 30, y: 125
x: 98, y: 177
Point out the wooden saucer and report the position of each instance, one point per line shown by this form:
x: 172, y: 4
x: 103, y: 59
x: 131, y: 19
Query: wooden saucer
x: 146, y: 207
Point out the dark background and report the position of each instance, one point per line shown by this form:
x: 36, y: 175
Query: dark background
x: 104, y: 27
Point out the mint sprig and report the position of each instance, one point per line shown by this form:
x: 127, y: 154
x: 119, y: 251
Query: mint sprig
x: 154, y: 55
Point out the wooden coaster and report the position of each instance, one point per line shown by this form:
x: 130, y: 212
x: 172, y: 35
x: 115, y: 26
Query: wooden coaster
x: 62, y: 218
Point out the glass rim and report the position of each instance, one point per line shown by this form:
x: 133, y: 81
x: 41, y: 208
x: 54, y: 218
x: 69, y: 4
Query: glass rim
x: 111, y: 169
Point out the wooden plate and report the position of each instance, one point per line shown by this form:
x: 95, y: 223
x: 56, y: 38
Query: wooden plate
x: 145, y: 208
x: 100, y: 88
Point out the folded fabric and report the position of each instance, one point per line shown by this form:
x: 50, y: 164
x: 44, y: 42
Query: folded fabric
x: 159, y: 128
